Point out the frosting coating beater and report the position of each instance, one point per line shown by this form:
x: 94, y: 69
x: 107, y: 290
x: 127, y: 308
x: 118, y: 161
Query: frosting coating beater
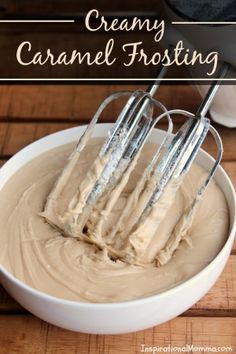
x: 108, y: 176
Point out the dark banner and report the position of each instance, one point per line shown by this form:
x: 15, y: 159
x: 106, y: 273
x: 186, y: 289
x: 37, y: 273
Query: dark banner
x: 78, y: 41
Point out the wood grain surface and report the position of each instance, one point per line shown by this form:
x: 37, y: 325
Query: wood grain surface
x: 79, y: 102
x: 30, y: 112
x: 27, y: 334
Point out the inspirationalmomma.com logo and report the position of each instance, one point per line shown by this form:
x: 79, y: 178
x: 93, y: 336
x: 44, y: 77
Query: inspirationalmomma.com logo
x: 187, y: 348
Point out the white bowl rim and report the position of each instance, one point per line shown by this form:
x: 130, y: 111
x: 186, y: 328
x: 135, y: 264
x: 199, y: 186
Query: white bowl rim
x: 131, y: 302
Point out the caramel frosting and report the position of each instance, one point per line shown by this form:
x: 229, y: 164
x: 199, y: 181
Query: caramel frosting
x: 112, y: 262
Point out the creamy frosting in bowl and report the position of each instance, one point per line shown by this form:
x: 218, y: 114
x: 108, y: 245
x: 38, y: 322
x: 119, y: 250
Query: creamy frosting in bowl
x: 70, y: 268
x: 107, y: 317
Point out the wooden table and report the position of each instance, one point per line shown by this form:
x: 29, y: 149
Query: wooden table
x: 30, y: 112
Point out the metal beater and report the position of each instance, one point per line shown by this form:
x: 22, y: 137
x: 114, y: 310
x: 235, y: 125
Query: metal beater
x: 120, y: 152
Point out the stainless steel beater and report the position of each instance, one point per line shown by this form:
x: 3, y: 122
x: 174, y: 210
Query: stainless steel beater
x: 120, y: 152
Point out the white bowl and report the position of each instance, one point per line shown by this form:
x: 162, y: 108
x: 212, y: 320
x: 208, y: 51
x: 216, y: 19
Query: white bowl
x: 125, y: 316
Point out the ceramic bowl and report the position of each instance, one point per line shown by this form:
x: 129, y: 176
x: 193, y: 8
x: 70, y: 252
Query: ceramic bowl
x: 122, y: 317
